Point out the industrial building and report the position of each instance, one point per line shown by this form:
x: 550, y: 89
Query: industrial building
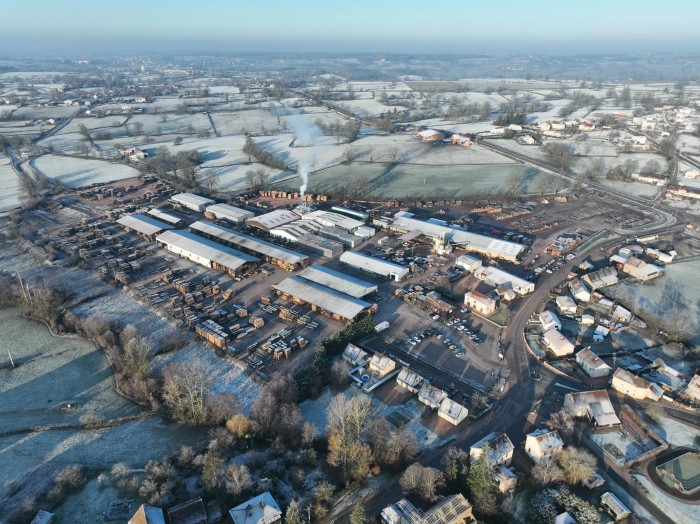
x: 230, y: 213
x: 192, y: 201
x: 601, y: 278
x: 325, y: 300
x: 637, y: 268
x: 328, y: 219
x: 480, y: 303
x: 205, y: 252
x: 352, y: 213
x: 273, y: 219
x: 375, y: 266
x: 469, y: 263
x: 304, y: 234
x: 339, y: 281
x: 164, y: 216
x: 473, y: 242
x: 497, y: 277
x: 145, y: 226
x: 280, y: 256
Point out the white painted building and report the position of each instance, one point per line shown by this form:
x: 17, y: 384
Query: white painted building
x: 558, y: 343
x: 452, y: 411
x: 548, y: 320
x: 497, y: 277
x: 592, y: 364
x: 543, y: 444
x: 192, y: 201
x: 480, y: 303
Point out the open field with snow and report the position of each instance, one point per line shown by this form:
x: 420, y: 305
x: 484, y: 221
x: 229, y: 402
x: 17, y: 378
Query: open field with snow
x: 634, y: 188
x: 80, y: 172
x: 9, y: 186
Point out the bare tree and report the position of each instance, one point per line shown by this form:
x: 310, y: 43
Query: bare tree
x: 578, y: 465
x: 394, y: 153
x: 84, y: 148
x: 546, y: 472
x: 138, y: 127
x: 563, y: 422
x: 184, y: 390
x: 350, y: 154
x: 237, y: 479
x: 340, y: 373
x: 423, y: 482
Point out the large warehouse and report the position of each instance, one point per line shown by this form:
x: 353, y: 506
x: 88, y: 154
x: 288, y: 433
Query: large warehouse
x: 280, y: 256
x: 171, y: 219
x: 145, y: 226
x: 325, y: 300
x: 375, y: 266
x: 497, y: 277
x: 205, y: 252
x: 473, y: 242
x: 192, y: 201
x: 230, y: 213
x: 273, y: 219
x: 339, y: 281
x: 304, y: 233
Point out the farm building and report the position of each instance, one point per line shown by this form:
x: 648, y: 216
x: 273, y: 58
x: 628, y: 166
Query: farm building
x: 381, y: 365
x: 593, y: 405
x: 454, y: 509
x: 430, y: 395
x: 147, y: 515
x: 549, y: 320
x: 592, y: 364
x: 543, y: 444
x: 339, y: 281
x: 468, y: 263
x: 640, y: 270
x: 164, y: 216
x: 323, y: 299
x: 273, y: 219
x: 500, y: 449
x: 375, y: 266
x: 226, y: 212
x: 473, y: 242
x: 409, y: 380
x: 262, y: 509
x: 354, y: 355
x: 143, y: 225
x: 205, y: 252
x: 636, y: 387
x: 579, y: 290
x: 452, y: 412
x: 192, y: 201
x: 557, y: 343
x: 497, y: 277
x: 430, y: 135
x: 280, y: 256
x: 479, y: 302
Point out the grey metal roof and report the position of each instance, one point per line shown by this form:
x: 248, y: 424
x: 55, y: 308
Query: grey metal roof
x: 339, y: 281
x: 205, y: 248
x: 191, y: 198
x: 372, y: 264
x: 247, y: 242
x: 229, y: 212
x: 162, y: 215
x: 143, y: 224
x: 324, y: 297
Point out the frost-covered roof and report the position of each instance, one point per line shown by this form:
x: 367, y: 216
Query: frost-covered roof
x: 324, y: 297
x: 143, y: 224
x: 206, y: 249
x: 372, y: 264
x: 339, y: 281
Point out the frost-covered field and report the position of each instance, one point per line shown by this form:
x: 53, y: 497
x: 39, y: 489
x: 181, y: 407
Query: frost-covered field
x: 79, y: 172
x: 9, y: 186
x: 32, y: 112
x: 634, y: 188
x: 107, y: 123
x: 688, y: 144
x: 246, y: 121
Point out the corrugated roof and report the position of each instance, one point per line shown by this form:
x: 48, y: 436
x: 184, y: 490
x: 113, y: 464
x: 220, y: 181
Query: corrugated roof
x: 372, y: 264
x: 143, y: 224
x: 229, y: 212
x: 500, y: 277
x: 260, y: 247
x: 166, y: 217
x: 273, y: 219
x: 192, y: 199
x: 324, y: 297
x: 205, y: 248
x: 339, y: 281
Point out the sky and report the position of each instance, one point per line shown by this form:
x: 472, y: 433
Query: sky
x: 49, y: 27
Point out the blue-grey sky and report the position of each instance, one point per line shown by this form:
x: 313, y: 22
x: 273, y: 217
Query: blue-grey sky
x: 464, y: 26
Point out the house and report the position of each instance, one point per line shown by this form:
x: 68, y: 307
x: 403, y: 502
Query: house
x: 636, y: 387
x: 452, y: 412
x: 480, y: 303
x: 505, y: 479
x: 566, y: 305
x: 600, y: 333
x: 579, y: 290
x: 500, y: 449
x: 649, y: 178
x: 613, y: 505
x: 430, y: 395
x: 262, y: 509
x: 147, y: 515
x: 692, y: 390
x: 543, y: 444
x: 354, y: 355
x: 454, y: 509
x: 409, y: 380
x: 592, y: 405
x: 601, y: 278
x: 592, y: 364
x: 620, y: 313
x: 381, y: 365
x: 190, y: 512
x: 587, y: 319
x: 549, y: 320
x: 558, y: 343
x: 640, y: 270
x: 461, y: 139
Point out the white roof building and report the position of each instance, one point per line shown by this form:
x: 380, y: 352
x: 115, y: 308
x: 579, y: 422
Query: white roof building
x: 636, y: 387
x: 354, y: 355
x: 500, y: 449
x: 262, y: 509
x: 558, y: 343
x: 592, y: 364
x: 601, y: 278
x: 330, y: 219
x: 431, y: 396
x: 640, y: 270
x: 543, y: 444
x: 192, y: 201
x: 548, y: 320
x: 692, y: 390
x: 614, y: 506
x: 230, y: 213
x: 452, y: 412
x: 566, y: 304
x: 409, y: 380
x: 339, y: 281
x: 381, y: 364
x: 144, y: 225
x: 165, y: 216
x: 489, y: 246
x: 469, y: 263
x: 374, y: 265
x: 204, y: 251
x: 273, y: 219
x: 593, y: 405
x: 497, y: 277
x: 579, y: 290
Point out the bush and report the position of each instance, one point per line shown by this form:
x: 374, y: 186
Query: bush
x: 92, y: 420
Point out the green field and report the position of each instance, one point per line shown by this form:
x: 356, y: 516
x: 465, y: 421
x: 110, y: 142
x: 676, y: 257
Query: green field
x: 385, y: 180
